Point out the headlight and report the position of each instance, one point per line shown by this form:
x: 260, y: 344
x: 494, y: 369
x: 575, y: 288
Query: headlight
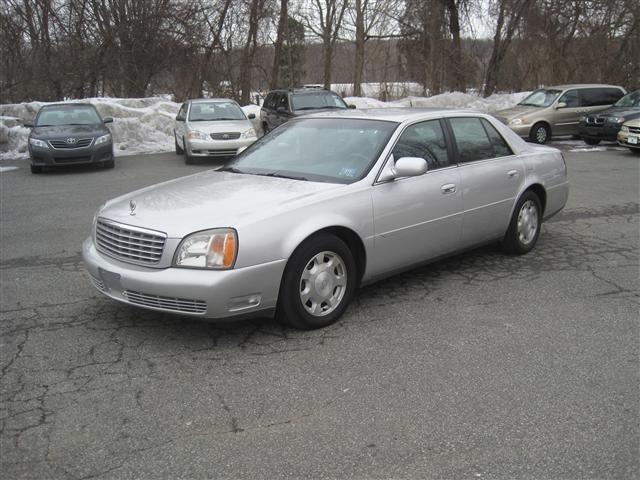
x: 515, y: 121
x: 616, y: 119
x: 103, y: 139
x: 624, y: 129
x: 196, y: 135
x: 251, y: 133
x: 215, y: 249
x: 38, y: 143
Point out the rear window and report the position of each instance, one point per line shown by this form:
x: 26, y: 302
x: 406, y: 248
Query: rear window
x: 593, y: 97
x: 477, y: 139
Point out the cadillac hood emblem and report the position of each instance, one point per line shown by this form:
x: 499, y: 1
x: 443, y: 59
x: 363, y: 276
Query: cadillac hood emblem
x: 132, y: 206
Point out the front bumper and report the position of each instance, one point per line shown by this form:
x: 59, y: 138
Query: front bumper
x: 522, y: 130
x: 200, y: 293
x: 623, y: 140
x: 217, y: 148
x: 607, y: 132
x: 73, y: 156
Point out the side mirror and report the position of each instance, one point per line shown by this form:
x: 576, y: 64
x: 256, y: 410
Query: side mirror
x: 561, y: 105
x: 404, y: 167
x: 28, y: 124
x: 251, y: 116
x: 108, y: 120
x: 351, y: 105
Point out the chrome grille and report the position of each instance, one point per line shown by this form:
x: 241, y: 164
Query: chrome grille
x: 63, y: 145
x: 225, y: 136
x: 595, y: 121
x: 129, y: 244
x: 634, y: 129
x: 184, y: 305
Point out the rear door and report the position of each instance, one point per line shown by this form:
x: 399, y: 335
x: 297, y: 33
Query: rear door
x: 490, y: 176
x: 417, y: 218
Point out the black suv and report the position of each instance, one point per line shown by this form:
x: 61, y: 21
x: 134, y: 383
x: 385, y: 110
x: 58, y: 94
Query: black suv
x: 282, y: 105
x: 69, y: 134
x: 606, y: 124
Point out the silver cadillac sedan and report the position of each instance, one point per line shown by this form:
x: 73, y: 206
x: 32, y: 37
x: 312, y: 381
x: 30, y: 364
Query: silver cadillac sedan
x: 322, y: 205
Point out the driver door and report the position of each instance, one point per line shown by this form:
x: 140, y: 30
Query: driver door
x: 567, y: 118
x: 417, y: 218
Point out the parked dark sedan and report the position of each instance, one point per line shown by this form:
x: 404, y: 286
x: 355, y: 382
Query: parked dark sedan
x: 606, y: 124
x: 69, y: 134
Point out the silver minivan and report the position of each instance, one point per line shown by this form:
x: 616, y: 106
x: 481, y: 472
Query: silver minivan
x: 556, y: 111
x: 212, y: 127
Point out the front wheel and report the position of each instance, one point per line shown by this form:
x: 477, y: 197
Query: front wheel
x: 524, y: 228
x: 540, y: 133
x: 318, y: 283
x: 36, y: 168
x: 591, y: 141
x: 635, y: 150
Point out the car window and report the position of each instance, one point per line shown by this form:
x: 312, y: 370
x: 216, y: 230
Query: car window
x: 320, y: 100
x: 471, y: 139
x: 270, y: 102
x: 317, y: 149
x: 571, y: 98
x: 593, y: 97
x: 182, y: 113
x: 213, y: 111
x: 630, y: 100
x: 282, y: 100
x: 68, y: 115
x: 424, y: 140
x: 500, y: 147
x: 541, y: 98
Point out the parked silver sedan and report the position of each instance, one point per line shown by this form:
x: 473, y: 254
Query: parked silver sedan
x: 215, y: 127
x: 319, y: 206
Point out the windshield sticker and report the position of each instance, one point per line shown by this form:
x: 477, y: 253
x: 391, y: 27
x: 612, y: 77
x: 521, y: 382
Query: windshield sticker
x: 348, y: 172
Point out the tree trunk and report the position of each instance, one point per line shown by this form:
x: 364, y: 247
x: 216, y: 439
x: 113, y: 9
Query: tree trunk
x: 249, y: 51
x: 277, y: 51
x: 458, y: 81
x: 359, y: 44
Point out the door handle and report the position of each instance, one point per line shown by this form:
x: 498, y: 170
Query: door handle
x: 512, y: 173
x: 448, y: 188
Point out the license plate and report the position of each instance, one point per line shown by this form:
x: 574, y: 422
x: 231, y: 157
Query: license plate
x: 632, y: 140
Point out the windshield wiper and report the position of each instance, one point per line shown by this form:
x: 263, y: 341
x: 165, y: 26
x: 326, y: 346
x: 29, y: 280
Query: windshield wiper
x: 230, y: 169
x: 280, y: 175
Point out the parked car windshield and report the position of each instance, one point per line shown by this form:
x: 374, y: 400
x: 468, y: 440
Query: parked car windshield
x: 67, y: 115
x: 317, y: 149
x: 212, y: 111
x: 629, y: 100
x: 310, y: 101
x: 541, y: 98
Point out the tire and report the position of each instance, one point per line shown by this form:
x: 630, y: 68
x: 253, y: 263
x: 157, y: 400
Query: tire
x: 179, y: 149
x: 524, y: 228
x: 109, y: 164
x: 591, y: 141
x: 635, y: 151
x: 309, y: 276
x: 36, y: 169
x: 189, y: 160
x: 540, y: 133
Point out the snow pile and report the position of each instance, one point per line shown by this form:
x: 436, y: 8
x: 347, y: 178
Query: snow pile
x: 497, y: 101
x: 145, y: 125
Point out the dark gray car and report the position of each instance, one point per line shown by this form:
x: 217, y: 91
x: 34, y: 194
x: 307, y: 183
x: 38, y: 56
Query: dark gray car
x: 69, y: 134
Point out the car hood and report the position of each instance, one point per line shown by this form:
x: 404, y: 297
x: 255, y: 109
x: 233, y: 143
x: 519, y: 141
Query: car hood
x: 631, y: 112
x: 514, y: 112
x: 66, y: 131
x: 210, y: 199
x: 221, y: 126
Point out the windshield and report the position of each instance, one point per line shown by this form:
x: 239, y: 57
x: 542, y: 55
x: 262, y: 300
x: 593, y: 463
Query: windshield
x: 67, y: 115
x: 629, y: 100
x: 212, y: 111
x: 541, y: 98
x: 317, y: 149
x: 310, y: 101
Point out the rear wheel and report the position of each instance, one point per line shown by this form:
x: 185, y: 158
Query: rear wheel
x: 36, y: 168
x: 591, y: 141
x: 524, y: 228
x: 540, y: 133
x: 318, y: 283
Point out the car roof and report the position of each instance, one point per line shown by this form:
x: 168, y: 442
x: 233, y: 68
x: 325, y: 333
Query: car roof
x: 394, y: 114
x: 303, y: 91
x: 581, y: 85
x: 68, y: 104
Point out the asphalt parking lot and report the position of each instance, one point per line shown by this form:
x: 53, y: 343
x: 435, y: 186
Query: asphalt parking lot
x: 480, y: 366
